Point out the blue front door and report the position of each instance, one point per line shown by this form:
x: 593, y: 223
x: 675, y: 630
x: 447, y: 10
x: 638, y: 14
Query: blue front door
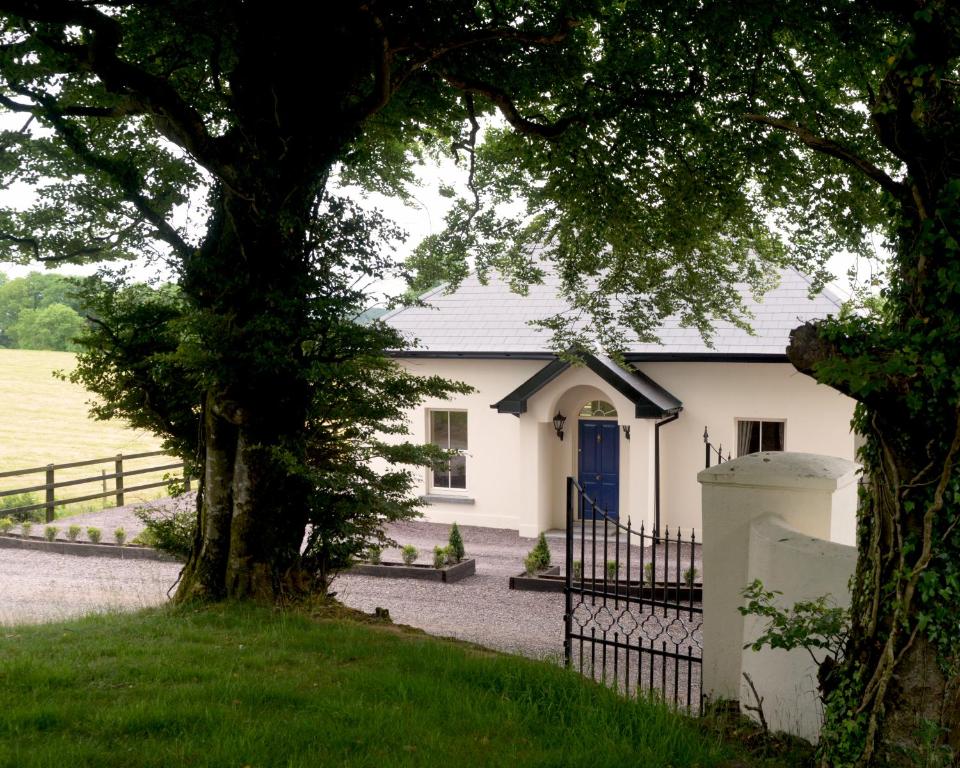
x: 599, y: 465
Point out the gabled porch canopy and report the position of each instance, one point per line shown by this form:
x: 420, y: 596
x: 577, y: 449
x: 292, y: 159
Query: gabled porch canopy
x: 650, y: 399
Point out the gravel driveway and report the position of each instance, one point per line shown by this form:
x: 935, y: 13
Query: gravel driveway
x: 482, y: 609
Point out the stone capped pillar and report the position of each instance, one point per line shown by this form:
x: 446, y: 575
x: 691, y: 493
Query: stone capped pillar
x: 813, y: 495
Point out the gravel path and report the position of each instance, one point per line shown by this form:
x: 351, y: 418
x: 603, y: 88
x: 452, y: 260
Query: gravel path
x: 481, y: 609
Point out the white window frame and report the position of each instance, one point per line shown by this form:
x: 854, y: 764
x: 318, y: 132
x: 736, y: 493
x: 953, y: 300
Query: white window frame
x: 761, y: 421
x: 441, y: 490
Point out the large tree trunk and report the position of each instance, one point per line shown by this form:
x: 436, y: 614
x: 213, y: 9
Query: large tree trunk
x: 251, y: 285
x: 896, y: 697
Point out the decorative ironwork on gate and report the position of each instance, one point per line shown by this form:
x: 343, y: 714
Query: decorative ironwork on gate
x: 633, y: 615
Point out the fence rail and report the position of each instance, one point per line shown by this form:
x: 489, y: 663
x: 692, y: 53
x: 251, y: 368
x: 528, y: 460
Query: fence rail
x: 119, y: 490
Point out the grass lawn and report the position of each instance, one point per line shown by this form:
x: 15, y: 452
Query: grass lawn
x: 44, y: 420
x: 251, y: 686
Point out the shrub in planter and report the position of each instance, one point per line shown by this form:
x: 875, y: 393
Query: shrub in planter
x: 455, y: 544
x: 120, y: 536
x: 94, y: 534
x: 439, y: 557
x: 612, y: 570
x: 409, y: 554
x: 373, y: 554
x: 577, y: 570
x: 25, y: 528
x: 73, y: 531
x: 689, y: 576
x: 6, y: 524
x: 539, y: 557
x: 648, y: 574
x: 50, y: 532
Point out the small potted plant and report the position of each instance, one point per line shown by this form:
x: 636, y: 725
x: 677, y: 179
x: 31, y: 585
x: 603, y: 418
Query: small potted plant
x: 409, y: 554
x: 94, y: 534
x: 455, y: 544
x: 50, y: 532
x: 120, y: 536
x: 538, y: 559
x: 612, y: 570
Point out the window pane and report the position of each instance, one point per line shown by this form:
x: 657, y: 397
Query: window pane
x: 458, y: 430
x: 441, y: 478
x: 598, y: 408
x: 439, y: 430
x: 748, y: 437
x: 772, y: 436
x: 458, y: 472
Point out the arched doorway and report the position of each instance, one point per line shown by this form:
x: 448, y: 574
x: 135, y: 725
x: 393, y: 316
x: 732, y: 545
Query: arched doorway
x: 598, y: 457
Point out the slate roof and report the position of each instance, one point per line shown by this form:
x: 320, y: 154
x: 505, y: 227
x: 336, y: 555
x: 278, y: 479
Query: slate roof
x: 490, y: 320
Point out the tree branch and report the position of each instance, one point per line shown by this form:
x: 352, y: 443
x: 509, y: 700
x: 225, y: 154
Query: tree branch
x: 509, y: 110
x: 833, y: 149
x: 181, y: 123
x: 125, y: 176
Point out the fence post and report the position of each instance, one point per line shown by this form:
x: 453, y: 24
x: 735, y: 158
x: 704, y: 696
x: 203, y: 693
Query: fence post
x: 50, y: 495
x: 118, y: 467
x: 186, y: 478
x: 706, y: 445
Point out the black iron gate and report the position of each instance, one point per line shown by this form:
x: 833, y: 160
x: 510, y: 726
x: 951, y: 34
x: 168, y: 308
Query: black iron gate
x: 633, y: 616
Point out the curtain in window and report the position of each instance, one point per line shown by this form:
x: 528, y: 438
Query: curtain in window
x: 748, y: 437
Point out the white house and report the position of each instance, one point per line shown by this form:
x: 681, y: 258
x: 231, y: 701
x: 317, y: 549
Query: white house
x: 633, y: 438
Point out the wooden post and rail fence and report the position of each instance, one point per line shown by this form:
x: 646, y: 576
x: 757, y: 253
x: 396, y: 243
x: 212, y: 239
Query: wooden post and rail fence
x: 50, y: 485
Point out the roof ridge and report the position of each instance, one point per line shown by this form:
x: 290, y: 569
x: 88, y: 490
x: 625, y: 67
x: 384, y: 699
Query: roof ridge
x: 422, y: 297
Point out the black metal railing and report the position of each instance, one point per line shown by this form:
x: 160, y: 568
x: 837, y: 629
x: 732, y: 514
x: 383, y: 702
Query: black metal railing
x: 713, y: 451
x: 633, y: 614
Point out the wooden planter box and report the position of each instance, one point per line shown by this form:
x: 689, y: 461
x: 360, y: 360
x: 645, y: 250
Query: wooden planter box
x: 552, y: 580
x: 447, y: 574
x: 83, y: 548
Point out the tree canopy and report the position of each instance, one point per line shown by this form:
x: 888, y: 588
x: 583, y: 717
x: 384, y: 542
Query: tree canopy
x: 39, y: 311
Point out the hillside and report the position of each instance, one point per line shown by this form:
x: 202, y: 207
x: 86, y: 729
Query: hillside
x: 45, y: 420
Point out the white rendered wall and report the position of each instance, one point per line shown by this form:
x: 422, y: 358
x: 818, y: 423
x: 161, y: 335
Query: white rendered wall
x: 715, y: 395
x: 517, y: 468
x: 499, y: 475
x: 802, y: 568
x: 767, y: 516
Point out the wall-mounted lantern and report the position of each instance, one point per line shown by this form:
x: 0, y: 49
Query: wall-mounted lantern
x: 558, y: 421
x: 626, y: 430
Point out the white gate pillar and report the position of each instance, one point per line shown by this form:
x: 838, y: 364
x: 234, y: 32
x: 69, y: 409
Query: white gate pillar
x: 814, y: 495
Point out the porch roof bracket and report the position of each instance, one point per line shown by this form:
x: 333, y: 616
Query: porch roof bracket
x: 516, y: 401
x: 651, y: 401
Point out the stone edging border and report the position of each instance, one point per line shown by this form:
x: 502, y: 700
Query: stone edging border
x: 84, y: 549
x: 447, y: 574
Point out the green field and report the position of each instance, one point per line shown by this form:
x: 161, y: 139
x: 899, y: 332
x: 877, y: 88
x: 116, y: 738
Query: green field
x: 241, y: 685
x: 44, y: 420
